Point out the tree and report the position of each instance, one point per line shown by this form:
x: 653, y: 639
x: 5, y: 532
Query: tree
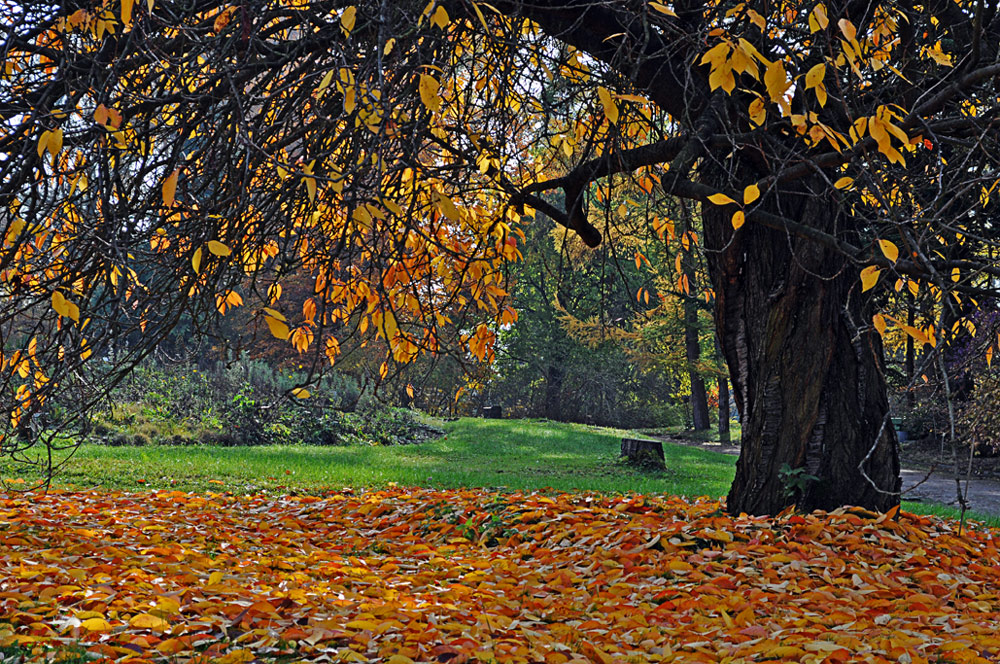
x: 155, y: 157
x: 592, y: 341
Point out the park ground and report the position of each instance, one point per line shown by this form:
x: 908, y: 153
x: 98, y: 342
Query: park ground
x: 527, y: 542
x: 505, y: 455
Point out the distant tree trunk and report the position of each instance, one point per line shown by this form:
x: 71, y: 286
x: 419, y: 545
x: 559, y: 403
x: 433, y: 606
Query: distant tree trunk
x: 723, y: 383
x: 910, y: 362
x: 805, y: 363
x: 553, y: 392
x: 723, y: 408
x: 699, y: 398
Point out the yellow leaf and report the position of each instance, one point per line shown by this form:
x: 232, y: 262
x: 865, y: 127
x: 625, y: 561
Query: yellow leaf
x: 844, y: 182
x: 610, y: 107
x: 879, y: 321
x: 310, y: 188
x: 956, y: 274
x: 782, y: 652
x: 347, y: 20
x: 757, y: 19
x: 59, y: 304
x: 274, y: 313
x: 215, y: 577
x: 815, y: 76
x: 170, y: 188
x: 300, y: 393
x: 399, y: 659
x: 848, y: 29
x: 148, y: 621
x: 440, y: 17
x: 869, y: 276
x: 720, y: 199
x: 273, y: 295
x: 409, y: 389
x: 196, y: 260
x: 663, y: 9
x: 323, y: 85
x: 171, y: 646
x: 939, y: 56
x: 64, y: 307
x: 818, y: 19
x: 368, y: 625
x: 126, y: 11
x: 821, y: 96
x: 750, y: 194
x: 776, y: 81
x: 757, y: 112
x: 218, y: 248
x: 917, y: 334
x: 43, y: 142
x: 429, y: 87
x: 96, y: 625
x: 889, y: 250
x: 55, y: 142
x: 989, y: 356
x: 278, y: 329
x: 738, y: 219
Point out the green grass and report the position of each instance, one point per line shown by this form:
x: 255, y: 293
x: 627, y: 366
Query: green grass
x: 499, y: 454
x: 515, y: 454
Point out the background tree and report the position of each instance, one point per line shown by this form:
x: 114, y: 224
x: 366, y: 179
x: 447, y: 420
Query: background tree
x: 159, y: 159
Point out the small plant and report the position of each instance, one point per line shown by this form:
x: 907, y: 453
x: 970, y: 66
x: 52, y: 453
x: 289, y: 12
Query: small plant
x: 795, y: 480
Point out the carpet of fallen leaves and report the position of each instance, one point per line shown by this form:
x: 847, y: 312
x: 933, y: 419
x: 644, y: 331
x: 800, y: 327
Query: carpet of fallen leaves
x: 403, y: 576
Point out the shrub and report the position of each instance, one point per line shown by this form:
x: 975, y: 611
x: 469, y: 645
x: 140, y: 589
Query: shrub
x: 246, y: 402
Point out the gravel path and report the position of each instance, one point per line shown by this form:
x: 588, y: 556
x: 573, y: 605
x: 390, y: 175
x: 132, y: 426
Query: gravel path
x: 918, y: 485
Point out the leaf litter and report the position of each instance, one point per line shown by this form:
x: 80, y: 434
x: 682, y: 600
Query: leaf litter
x: 420, y: 575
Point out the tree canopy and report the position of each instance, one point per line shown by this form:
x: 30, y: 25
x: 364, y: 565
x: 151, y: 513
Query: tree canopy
x: 165, y: 158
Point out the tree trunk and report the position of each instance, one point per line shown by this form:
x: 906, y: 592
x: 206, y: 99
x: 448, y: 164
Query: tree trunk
x: 553, y: 391
x: 699, y: 398
x: 805, y: 362
x: 692, y: 349
x: 723, y: 409
x: 910, y: 361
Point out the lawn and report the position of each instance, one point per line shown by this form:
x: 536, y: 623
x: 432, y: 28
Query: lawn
x: 508, y: 454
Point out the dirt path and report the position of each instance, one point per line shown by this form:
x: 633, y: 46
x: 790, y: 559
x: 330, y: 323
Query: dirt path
x: 918, y: 485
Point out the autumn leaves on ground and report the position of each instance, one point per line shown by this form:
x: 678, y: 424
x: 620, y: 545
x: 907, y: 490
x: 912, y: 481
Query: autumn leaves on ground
x: 423, y: 575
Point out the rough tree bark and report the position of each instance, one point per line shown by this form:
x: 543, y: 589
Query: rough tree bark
x: 806, y: 366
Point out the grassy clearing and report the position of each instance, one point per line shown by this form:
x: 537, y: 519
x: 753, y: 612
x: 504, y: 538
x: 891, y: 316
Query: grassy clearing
x: 516, y: 455
x: 512, y: 454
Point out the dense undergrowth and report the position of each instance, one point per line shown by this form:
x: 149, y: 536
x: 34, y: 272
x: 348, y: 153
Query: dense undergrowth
x: 247, y: 402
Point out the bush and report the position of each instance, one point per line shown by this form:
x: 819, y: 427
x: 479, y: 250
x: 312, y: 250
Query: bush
x: 246, y: 402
